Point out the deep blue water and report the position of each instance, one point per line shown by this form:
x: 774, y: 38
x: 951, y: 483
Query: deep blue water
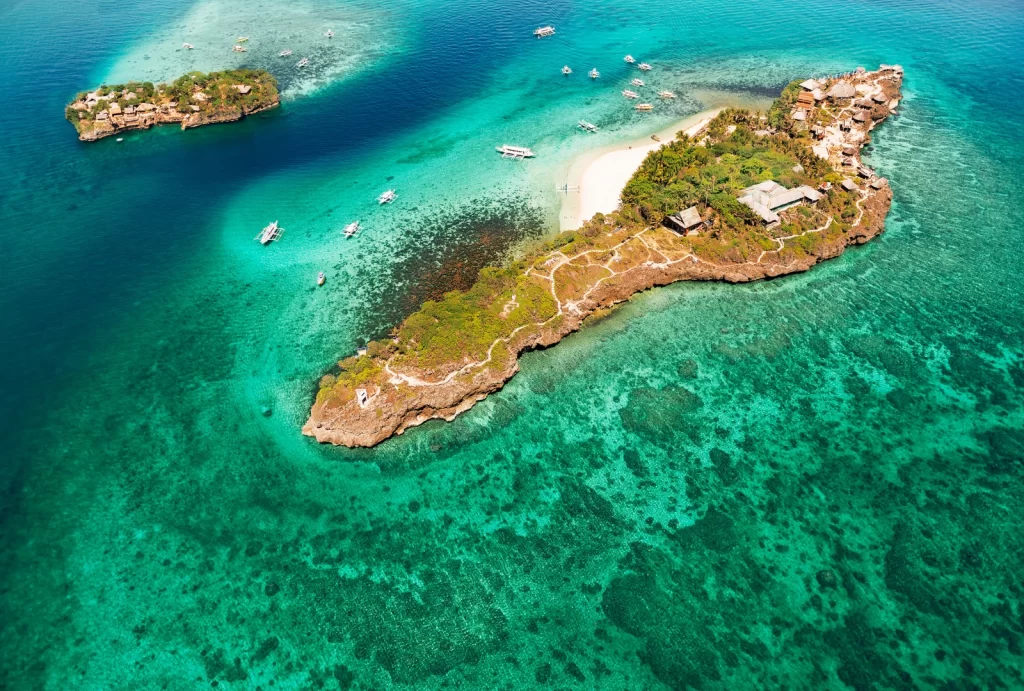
x: 814, y: 481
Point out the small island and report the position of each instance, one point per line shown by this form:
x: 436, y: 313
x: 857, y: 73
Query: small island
x: 750, y: 196
x: 194, y: 100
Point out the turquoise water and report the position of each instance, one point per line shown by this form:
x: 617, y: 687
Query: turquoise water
x: 809, y: 482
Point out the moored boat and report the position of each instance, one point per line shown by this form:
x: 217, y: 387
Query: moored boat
x: 630, y: 94
x: 645, y: 67
x: 187, y: 46
x: 637, y: 82
x: 588, y: 126
x: 666, y: 94
x: 239, y: 49
x: 320, y: 278
x: 387, y: 197
x: 594, y: 74
x: 330, y: 33
x: 352, y: 228
x: 543, y: 31
x: 566, y: 70
x: 241, y: 39
x: 629, y: 59
x: 513, y: 151
x: 270, y: 233
x: 285, y: 53
x: 644, y: 106
x: 302, y: 63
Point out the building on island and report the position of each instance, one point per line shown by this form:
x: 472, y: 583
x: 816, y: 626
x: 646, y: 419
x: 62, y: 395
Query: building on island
x: 684, y: 222
x: 768, y: 198
x: 842, y: 90
x: 849, y: 185
x: 243, y: 88
x: 810, y: 85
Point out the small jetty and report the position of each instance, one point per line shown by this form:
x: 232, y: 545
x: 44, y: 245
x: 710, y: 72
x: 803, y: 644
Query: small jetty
x: 644, y: 107
x: 330, y: 33
x: 353, y: 227
x: 666, y: 94
x: 543, y: 31
x: 270, y: 233
x: 588, y: 126
x: 239, y: 49
x: 387, y: 197
x: 285, y: 53
x: 187, y: 46
x: 637, y: 82
x: 321, y: 279
x: 516, y: 152
x: 594, y: 74
x: 629, y: 59
x: 645, y: 67
x: 302, y: 63
x: 630, y: 94
x: 566, y: 70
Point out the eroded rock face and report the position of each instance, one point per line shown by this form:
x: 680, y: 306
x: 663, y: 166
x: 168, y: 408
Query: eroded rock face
x: 394, y: 403
x: 119, y: 124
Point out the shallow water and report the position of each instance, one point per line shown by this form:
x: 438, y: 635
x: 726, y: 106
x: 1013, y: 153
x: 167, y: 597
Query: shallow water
x: 813, y: 481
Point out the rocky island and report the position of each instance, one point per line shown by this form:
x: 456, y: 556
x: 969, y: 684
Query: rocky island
x: 752, y: 195
x: 194, y: 100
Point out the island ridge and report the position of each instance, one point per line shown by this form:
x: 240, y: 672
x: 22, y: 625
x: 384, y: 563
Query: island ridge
x: 194, y: 100
x: 749, y: 196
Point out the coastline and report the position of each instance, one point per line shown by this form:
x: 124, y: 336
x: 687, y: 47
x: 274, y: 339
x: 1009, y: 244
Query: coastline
x: 602, y: 173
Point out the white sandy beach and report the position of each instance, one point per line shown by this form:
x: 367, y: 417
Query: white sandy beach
x: 602, y: 174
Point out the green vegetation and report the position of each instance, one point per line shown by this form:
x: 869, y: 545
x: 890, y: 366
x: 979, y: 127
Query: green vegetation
x: 213, y: 94
x: 741, y: 148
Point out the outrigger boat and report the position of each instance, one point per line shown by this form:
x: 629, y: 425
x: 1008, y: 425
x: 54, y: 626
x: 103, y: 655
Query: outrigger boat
x: 644, y: 106
x: 517, y: 152
x: 387, y: 197
x: 566, y: 70
x: 187, y: 46
x: 330, y: 33
x: 241, y: 39
x: 630, y: 94
x: 645, y: 67
x: 302, y: 63
x: 629, y: 59
x: 637, y: 82
x: 352, y: 228
x: 594, y: 74
x: 239, y: 49
x: 666, y: 94
x: 285, y: 53
x: 588, y: 126
x: 320, y: 278
x: 544, y: 31
x: 269, y: 234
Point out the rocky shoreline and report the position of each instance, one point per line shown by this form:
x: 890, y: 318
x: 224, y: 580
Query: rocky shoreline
x: 381, y: 395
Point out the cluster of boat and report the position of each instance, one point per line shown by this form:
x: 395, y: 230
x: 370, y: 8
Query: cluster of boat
x: 239, y: 48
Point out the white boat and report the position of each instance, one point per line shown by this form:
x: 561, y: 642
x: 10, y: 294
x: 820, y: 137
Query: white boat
x: 666, y: 94
x: 629, y: 59
x: 239, y: 49
x: 269, y: 234
x: 120, y: 139
x: 302, y: 63
x: 630, y: 94
x: 352, y: 228
x: 566, y: 70
x: 320, y: 278
x: 645, y: 67
x: 285, y: 53
x: 387, y: 197
x: 330, y: 33
x: 637, y: 82
x: 187, y: 46
x: 588, y: 126
x: 644, y: 106
x: 516, y: 152
x: 241, y: 39
x: 594, y: 74
x: 544, y: 31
